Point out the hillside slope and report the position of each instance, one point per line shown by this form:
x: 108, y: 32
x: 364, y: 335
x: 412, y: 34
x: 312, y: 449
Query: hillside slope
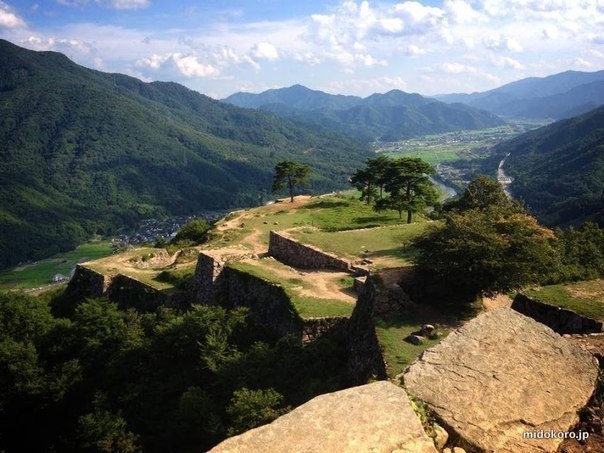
x: 557, y: 96
x: 83, y: 152
x: 380, y: 117
x: 559, y: 169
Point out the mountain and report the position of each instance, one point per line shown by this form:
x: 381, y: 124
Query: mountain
x: 296, y: 96
x: 391, y: 116
x: 559, y: 169
x: 558, y: 96
x: 85, y: 152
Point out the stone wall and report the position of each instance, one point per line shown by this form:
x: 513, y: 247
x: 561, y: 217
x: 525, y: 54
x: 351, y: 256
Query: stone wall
x: 365, y: 359
x: 126, y: 291
x: 296, y: 254
x: 87, y: 283
x: 129, y: 292
x: 316, y: 327
x: 558, y: 319
x: 269, y: 305
x: 206, y: 272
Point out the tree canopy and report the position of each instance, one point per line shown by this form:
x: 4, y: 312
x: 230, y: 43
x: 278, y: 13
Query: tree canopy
x: 290, y: 174
x: 487, y: 243
x: 105, y: 379
x: 399, y: 184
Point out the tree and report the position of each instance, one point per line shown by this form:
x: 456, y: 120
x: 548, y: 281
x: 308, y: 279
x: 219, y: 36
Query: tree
x: 290, y: 174
x: 371, y: 178
x: 485, y: 193
x: 192, y: 233
x: 252, y: 408
x: 408, y: 187
x: 484, y: 251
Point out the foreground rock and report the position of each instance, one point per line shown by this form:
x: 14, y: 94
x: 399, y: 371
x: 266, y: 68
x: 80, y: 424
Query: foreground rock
x: 501, y: 375
x: 371, y: 418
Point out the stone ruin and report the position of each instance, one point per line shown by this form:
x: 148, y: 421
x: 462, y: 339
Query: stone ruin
x: 502, y: 380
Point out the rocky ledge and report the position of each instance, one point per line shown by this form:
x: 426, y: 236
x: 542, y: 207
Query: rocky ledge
x: 374, y: 418
x: 505, y: 383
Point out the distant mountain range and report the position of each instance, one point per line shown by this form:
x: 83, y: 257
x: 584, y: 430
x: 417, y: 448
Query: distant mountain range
x: 557, y: 96
x: 558, y: 170
x: 391, y: 116
x: 83, y: 151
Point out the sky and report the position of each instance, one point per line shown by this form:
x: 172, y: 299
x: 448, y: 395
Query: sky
x: 219, y: 47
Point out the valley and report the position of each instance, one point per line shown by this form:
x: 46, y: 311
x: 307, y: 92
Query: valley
x: 146, y: 339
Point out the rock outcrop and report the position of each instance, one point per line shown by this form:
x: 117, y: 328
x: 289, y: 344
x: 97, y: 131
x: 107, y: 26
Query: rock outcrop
x: 375, y: 417
x: 500, y: 376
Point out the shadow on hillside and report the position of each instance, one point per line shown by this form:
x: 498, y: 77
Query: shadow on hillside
x: 369, y: 221
x: 327, y: 204
x: 404, y: 253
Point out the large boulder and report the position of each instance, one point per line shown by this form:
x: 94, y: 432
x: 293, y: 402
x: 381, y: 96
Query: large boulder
x: 500, y: 376
x: 376, y: 417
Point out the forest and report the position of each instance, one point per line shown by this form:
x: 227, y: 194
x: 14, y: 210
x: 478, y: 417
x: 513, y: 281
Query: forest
x: 100, y: 379
x: 84, y: 152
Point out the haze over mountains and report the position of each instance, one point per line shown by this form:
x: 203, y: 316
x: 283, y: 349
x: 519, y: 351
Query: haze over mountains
x: 397, y: 115
x: 557, y: 96
x: 84, y: 152
x: 386, y: 117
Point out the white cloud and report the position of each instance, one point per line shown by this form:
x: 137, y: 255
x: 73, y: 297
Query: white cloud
x: 366, y: 86
x: 462, y: 44
x: 550, y: 31
x: 412, y: 49
x: 116, y: 4
x: 130, y: 4
x: 458, y: 68
x: 266, y: 51
x: 506, y: 62
x: 417, y: 18
x: 8, y: 18
x: 187, y: 65
x: 461, y: 12
x: 499, y: 42
x: 190, y: 66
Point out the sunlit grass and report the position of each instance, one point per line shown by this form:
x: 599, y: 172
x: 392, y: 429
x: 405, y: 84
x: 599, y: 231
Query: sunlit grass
x: 398, y: 353
x: 41, y: 272
x: 586, y: 298
x: 392, y: 242
x: 306, y: 306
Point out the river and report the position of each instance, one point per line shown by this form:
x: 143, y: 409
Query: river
x: 503, y: 179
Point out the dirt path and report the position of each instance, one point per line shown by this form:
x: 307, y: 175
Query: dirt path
x: 497, y: 301
x: 320, y: 284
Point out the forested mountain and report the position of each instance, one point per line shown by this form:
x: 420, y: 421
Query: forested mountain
x: 83, y: 151
x: 557, y: 96
x: 296, y: 97
x: 559, y: 169
x: 386, y: 117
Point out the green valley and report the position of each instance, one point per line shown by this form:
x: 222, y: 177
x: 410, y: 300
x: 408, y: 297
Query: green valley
x: 84, y: 152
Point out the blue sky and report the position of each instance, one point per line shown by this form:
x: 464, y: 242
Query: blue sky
x: 338, y: 46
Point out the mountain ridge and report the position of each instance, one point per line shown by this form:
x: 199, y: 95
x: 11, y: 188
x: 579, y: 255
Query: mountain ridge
x: 558, y: 170
x: 556, y: 96
x: 390, y: 116
x: 84, y: 152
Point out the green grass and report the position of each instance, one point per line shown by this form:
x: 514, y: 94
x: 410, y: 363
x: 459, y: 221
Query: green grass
x: 306, y: 306
x: 41, y: 272
x: 397, y: 352
x: 329, y: 213
x: 586, y: 298
x: 179, y: 278
x: 310, y: 307
x: 452, y: 146
x: 390, y: 241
